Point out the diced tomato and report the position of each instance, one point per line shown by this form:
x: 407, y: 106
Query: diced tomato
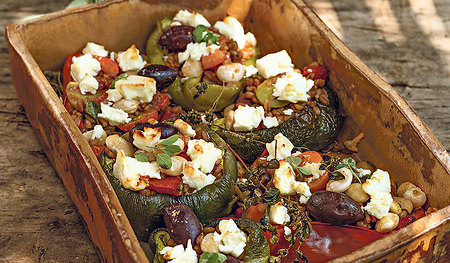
x: 419, y: 213
x: 168, y: 114
x: 169, y: 185
x: 319, y: 71
x: 213, y: 59
x: 109, y: 67
x: 310, y: 157
x: 152, y: 114
x: 256, y: 212
x: 160, y: 100
x: 319, y: 183
x: 98, y: 149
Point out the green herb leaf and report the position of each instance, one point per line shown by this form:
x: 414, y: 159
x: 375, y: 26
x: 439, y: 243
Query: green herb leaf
x: 198, y: 33
x: 342, y: 165
x: 164, y: 160
x: 170, y: 140
x: 141, y: 157
x: 93, y: 109
x: 207, y: 257
x: 121, y: 76
x: 303, y: 170
x: 294, y: 160
x: 170, y: 149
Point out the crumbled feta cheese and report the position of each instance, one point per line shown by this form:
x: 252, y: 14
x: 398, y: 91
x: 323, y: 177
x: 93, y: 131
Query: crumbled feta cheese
x: 284, y: 180
x: 195, y: 51
x: 97, y: 132
x: 195, y: 178
x: 88, y: 85
x: 270, y: 122
x: 273, y: 64
x: 232, y: 239
x: 146, y: 138
x: 95, y: 49
x: 283, y: 147
x: 378, y: 188
x: 247, y: 118
x: 84, y: 65
x: 250, y: 71
x: 203, y: 154
x: 287, y: 231
x: 184, y: 128
x: 114, y: 116
x: 133, y: 88
x: 130, y: 60
x: 129, y: 171
x: 292, y: 87
x: 232, y: 28
x: 250, y: 39
x: 314, y: 168
x: 288, y: 111
x: 190, y: 19
x: 178, y: 254
x: 278, y: 214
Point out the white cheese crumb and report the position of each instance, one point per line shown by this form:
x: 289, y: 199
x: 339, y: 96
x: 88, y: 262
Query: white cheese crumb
x: 278, y: 214
x: 232, y: 28
x: 195, y: 51
x: 250, y: 71
x: 273, y: 64
x: 247, y: 118
x: 84, y: 65
x: 314, y: 168
x: 203, y: 154
x: 288, y: 111
x: 184, y: 127
x: 129, y: 171
x: 178, y: 254
x: 283, y: 147
x: 195, y: 178
x: 130, y: 60
x: 95, y: 49
x: 190, y: 19
x: 97, y: 132
x: 146, y: 138
x: 114, y: 116
x: 232, y: 239
x: 88, y: 85
x: 284, y: 180
x: 379, y: 188
x: 292, y: 87
x: 270, y: 122
x: 133, y: 88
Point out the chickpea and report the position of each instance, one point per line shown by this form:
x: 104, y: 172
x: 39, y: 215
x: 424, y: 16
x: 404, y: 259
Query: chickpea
x: 416, y: 195
x: 404, y: 203
x: 128, y: 106
x: 395, y: 208
x: 192, y: 68
x: 340, y: 186
x: 208, y: 244
x: 387, y: 223
x: 177, y: 166
x: 93, y: 140
x: 229, y: 120
x: 356, y: 192
x: 116, y: 143
x: 231, y: 72
x: 403, y: 187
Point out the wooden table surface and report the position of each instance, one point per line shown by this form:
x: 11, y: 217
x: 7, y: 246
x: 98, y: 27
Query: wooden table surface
x: 405, y: 42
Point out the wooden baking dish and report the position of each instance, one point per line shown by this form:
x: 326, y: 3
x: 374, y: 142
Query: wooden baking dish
x: 396, y: 139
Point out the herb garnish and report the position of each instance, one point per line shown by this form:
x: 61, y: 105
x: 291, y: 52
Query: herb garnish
x: 93, y: 109
x: 350, y: 164
x: 202, y: 34
x: 121, y: 76
x: 201, y: 89
x: 167, y: 147
x: 141, y: 157
x: 207, y: 257
x: 295, y: 161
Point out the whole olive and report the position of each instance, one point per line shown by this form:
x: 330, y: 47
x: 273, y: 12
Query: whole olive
x: 177, y: 38
x: 167, y: 130
x: 334, y: 208
x: 163, y: 75
x: 181, y: 223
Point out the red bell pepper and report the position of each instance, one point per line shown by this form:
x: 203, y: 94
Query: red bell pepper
x: 97, y: 149
x: 152, y: 114
x: 319, y: 71
x: 169, y: 185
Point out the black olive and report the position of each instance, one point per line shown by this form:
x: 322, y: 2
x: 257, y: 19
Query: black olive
x: 163, y: 75
x: 176, y: 38
x: 167, y: 130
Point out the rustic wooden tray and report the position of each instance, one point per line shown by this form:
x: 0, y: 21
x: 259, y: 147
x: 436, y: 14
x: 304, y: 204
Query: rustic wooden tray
x: 396, y: 139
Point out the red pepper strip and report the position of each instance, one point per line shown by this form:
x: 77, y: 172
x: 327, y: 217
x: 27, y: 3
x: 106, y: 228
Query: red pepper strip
x: 66, y: 70
x: 419, y: 213
x: 169, y: 185
x: 153, y: 114
x: 98, y: 149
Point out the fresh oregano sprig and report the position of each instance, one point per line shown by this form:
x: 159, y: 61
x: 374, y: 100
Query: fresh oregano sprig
x: 351, y: 165
x: 202, y: 34
x: 295, y: 162
x: 167, y: 147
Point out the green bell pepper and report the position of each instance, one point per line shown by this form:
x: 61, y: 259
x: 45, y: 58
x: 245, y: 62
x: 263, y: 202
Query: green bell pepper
x: 190, y: 95
x: 154, y: 52
x: 145, y: 213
